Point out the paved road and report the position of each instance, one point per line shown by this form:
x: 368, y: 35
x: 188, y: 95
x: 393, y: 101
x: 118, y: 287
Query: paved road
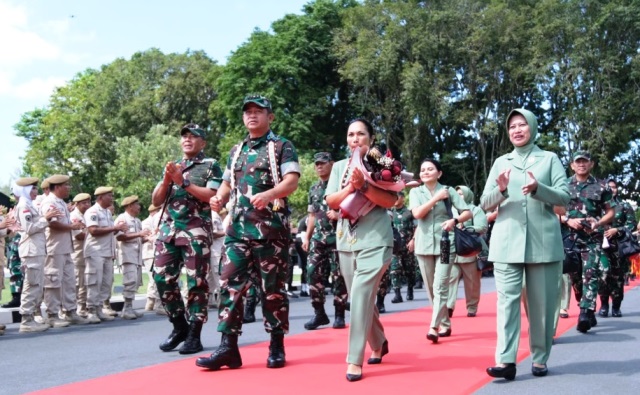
x: 604, y: 361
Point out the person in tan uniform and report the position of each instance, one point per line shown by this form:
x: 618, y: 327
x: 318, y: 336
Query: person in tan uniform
x: 59, y: 273
x: 5, y: 223
x: 37, y: 202
x: 82, y: 203
x: 130, y: 254
x: 99, y: 252
x: 32, y: 250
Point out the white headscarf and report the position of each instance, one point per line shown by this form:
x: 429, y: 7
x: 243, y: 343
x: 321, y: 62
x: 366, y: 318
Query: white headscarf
x: 23, y: 193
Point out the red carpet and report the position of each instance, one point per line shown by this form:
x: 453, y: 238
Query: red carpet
x: 316, y: 362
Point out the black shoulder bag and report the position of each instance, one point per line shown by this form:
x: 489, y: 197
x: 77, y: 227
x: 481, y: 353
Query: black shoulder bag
x: 467, y: 240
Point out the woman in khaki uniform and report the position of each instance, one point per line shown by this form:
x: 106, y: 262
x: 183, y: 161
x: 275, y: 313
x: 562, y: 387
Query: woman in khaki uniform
x: 428, y: 207
x: 526, y: 241
x: 365, y: 252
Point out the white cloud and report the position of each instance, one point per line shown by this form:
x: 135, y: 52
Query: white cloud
x: 38, y: 88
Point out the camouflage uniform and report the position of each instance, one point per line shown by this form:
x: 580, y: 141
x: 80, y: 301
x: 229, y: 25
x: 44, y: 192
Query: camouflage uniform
x: 404, y: 262
x: 184, y: 239
x: 613, y: 285
x: 257, y: 242
x: 589, y: 199
x: 322, y: 252
x: 13, y: 264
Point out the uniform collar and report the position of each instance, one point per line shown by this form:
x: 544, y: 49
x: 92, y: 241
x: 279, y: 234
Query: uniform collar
x: 199, y: 158
x: 269, y: 136
x: 590, y: 180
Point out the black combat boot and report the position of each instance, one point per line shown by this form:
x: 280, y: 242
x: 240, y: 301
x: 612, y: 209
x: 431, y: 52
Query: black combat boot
x: 592, y: 318
x: 409, y: 292
x: 192, y: 344
x: 276, y: 351
x: 380, y: 304
x: 604, y: 306
x: 227, y: 354
x: 615, y: 308
x: 14, y: 302
x: 178, y: 335
x: 584, y: 323
x: 249, y: 310
x: 398, y: 296
x: 338, y: 322
x: 319, y: 318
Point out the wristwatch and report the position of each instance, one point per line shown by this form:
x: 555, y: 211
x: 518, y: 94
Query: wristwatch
x: 455, y: 221
x: 185, y: 183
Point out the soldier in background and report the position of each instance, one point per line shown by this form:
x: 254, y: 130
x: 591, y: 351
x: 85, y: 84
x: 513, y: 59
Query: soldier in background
x: 13, y: 264
x: 130, y: 254
x: 82, y: 203
x: 6, y: 222
x: 403, y: 263
x: 99, y: 252
x: 218, y: 233
x: 591, y: 208
x: 320, y: 242
x: 32, y: 250
x: 148, y: 250
x: 613, y: 286
x: 184, y: 239
x: 261, y: 172
x: 59, y: 284
x: 106, y: 304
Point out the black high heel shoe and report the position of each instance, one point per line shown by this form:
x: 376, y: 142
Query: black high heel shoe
x: 385, y: 351
x: 539, y: 372
x: 507, y: 372
x: 354, y: 377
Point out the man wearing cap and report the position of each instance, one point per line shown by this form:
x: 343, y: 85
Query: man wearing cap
x: 32, y: 250
x: 82, y: 203
x: 261, y: 172
x: 148, y: 249
x: 130, y: 254
x: 45, y: 192
x: 320, y: 242
x: 184, y: 238
x: 59, y: 273
x: 590, y: 208
x: 403, y: 263
x: 99, y: 252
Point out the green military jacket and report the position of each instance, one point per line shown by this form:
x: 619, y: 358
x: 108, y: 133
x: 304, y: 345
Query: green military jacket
x: 324, y: 229
x: 625, y: 217
x: 186, y: 217
x: 403, y: 221
x: 591, y: 198
x: 252, y: 174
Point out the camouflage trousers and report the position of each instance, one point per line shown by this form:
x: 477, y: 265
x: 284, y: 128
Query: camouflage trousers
x: 16, y: 277
x: 323, y: 259
x: 613, y: 285
x: 260, y: 262
x: 383, y: 288
x: 595, y: 267
x: 169, y: 260
x: 403, y: 264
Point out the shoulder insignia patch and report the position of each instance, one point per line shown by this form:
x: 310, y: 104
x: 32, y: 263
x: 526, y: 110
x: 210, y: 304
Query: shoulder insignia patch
x: 93, y: 217
x: 27, y: 218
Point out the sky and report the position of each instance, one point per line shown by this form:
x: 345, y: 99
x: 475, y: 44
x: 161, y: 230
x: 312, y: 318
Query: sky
x: 46, y: 43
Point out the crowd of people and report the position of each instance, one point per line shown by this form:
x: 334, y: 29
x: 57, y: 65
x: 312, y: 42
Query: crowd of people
x: 228, y: 228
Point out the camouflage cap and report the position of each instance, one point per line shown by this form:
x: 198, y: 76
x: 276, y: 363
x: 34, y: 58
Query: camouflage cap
x: 102, y: 190
x: 57, y: 179
x: 322, y: 157
x: 81, y: 197
x: 581, y: 155
x: 45, y: 184
x: 24, y: 181
x: 128, y: 200
x: 258, y: 100
x: 194, y: 129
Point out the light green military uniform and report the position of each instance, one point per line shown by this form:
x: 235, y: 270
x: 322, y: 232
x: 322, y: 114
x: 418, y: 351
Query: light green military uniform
x: 467, y: 266
x: 365, y: 254
x: 526, y: 240
x: 428, y: 234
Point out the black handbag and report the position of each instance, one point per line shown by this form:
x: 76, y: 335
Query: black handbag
x: 467, y: 240
x: 572, y: 256
x: 627, y: 244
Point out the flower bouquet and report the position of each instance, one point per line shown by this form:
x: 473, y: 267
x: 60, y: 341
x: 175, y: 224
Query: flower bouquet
x: 382, y: 171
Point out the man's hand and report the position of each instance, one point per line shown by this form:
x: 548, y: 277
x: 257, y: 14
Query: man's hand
x: 121, y: 227
x: 54, y: 212
x: 173, y: 173
x: 261, y: 200
x: 215, y: 203
x: 333, y: 215
x: 305, y: 245
x: 609, y: 233
x: 77, y: 225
